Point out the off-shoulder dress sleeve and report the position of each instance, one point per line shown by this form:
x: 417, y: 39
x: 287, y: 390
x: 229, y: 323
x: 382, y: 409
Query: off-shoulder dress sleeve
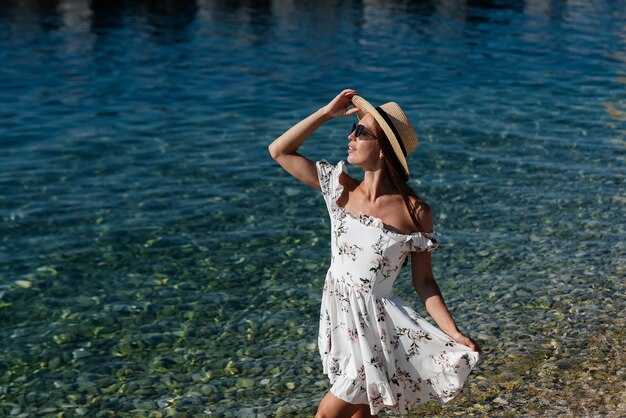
x: 424, y: 241
x: 328, y: 175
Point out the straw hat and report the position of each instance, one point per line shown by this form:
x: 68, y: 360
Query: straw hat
x: 394, y: 123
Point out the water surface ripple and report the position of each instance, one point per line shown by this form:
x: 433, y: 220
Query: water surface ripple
x: 155, y: 261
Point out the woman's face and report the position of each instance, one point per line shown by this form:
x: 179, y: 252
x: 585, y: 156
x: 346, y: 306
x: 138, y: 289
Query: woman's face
x: 365, y: 150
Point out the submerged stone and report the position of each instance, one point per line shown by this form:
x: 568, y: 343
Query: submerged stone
x: 25, y: 284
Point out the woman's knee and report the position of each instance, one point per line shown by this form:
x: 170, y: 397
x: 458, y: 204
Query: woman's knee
x: 333, y: 407
x: 364, y: 412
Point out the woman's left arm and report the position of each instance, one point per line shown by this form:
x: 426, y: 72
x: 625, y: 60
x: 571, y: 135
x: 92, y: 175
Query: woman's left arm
x: 428, y: 289
x: 430, y: 294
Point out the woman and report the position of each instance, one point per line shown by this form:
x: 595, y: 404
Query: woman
x: 376, y: 350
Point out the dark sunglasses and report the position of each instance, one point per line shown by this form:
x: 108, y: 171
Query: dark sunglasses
x: 359, y: 129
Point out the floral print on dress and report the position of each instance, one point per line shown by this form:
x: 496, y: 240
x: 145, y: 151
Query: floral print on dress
x: 343, y: 301
x: 349, y: 250
x: 376, y: 399
x: 340, y: 226
x: 375, y: 349
x: 363, y: 318
x: 382, y: 264
x: 364, y: 286
x: 335, y: 368
x: 359, y: 381
x: 376, y: 362
x: 380, y: 307
x: 353, y: 335
x: 413, y: 337
x: 403, y: 379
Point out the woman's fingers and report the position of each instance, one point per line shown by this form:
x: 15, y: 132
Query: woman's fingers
x: 344, y: 93
x: 347, y: 100
x: 339, y: 105
x: 465, y: 340
x: 473, y: 345
x: 470, y: 344
x: 345, y: 97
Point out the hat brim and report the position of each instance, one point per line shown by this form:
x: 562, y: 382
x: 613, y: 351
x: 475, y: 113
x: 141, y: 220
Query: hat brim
x: 364, y: 108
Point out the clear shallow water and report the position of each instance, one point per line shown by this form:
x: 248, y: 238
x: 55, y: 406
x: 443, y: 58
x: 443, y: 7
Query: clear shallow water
x: 153, y: 258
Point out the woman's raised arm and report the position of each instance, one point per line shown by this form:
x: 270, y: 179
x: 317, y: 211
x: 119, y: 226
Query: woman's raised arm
x: 284, y: 149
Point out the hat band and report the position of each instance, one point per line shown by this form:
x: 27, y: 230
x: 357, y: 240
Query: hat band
x: 384, y: 115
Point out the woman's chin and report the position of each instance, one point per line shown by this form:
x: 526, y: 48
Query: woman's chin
x: 352, y: 158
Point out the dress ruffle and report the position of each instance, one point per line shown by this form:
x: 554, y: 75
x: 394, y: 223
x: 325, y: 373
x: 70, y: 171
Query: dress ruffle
x: 329, y: 180
x: 424, y: 241
x: 377, y: 394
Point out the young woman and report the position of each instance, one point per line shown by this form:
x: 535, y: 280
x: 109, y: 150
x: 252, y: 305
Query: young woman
x: 376, y: 350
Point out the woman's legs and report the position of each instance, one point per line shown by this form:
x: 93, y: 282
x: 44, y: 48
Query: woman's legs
x: 333, y: 407
x: 364, y: 412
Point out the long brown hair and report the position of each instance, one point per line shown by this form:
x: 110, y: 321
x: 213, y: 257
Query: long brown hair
x: 400, y: 179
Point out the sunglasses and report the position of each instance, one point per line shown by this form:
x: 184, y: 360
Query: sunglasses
x: 360, y: 129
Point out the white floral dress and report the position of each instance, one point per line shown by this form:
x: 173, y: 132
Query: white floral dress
x: 374, y: 348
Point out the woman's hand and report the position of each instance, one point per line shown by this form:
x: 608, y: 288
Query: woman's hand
x: 338, y: 107
x: 462, y: 339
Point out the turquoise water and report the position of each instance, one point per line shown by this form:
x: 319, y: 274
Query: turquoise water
x: 155, y: 261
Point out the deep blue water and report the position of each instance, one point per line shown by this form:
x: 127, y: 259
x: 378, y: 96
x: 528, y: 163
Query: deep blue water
x: 154, y: 256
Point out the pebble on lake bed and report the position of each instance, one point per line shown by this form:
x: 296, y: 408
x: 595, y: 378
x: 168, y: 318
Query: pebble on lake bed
x: 26, y: 284
x: 81, y: 353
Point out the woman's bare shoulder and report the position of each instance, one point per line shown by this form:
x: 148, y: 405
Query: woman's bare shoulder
x: 348, y: 182
x: 423, y: 213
